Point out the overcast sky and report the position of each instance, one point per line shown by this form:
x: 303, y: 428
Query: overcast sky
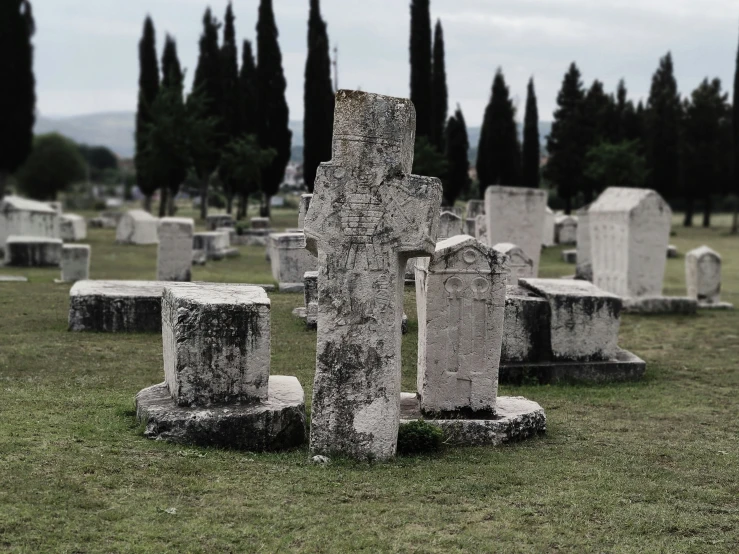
x: 86, y: 50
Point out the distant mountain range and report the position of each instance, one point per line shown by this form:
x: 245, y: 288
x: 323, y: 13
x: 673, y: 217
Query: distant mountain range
x: 116, y: 130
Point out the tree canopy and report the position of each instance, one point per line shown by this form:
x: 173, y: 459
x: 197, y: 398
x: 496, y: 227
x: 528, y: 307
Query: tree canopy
x: 55, y: 163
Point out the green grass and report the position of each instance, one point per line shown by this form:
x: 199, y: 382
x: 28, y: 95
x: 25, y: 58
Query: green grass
x: 644, y: 467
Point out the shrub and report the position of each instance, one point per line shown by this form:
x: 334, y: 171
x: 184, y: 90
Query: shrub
x: 418, y: 437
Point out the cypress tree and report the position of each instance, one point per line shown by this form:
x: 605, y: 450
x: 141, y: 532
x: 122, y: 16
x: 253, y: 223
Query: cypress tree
x: 148, y: 90
x: 18, y: 93
x: 457, y: 147
x: 735, y: 136
x: 209, y: 89
x: 230, y: 106
x: 274, y: 131
x: 172, y: 85
x: 318, y: 118
x: 598, y: 109
x: 663, y: 115
x: 420, y: 49
x: 440, y: 95
x: 249, y: 118
x: 565, y: 143
x: 530, y: 161
x: 499, y: 152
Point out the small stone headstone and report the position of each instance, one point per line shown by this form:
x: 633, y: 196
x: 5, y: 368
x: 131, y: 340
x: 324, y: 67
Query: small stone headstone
x: 565, y: 229
x: 72, y: 227
x: 703, y: 276
x: 481, y: 229
x: 23, y: 251
x: 137, y: 227
x: 75, y: 262
x: 174, y: 259
x: 519, y: 265
x: 290, y: 260
x: 548, y: 229
x: 450, y: 225
x: 367, y: 217
x: 475, y: 208
x: 260, y: 223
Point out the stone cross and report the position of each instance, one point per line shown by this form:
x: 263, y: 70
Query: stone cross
x: 368, y: 215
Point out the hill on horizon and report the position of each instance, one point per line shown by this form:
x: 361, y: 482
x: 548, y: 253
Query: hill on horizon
x: 116, y: 131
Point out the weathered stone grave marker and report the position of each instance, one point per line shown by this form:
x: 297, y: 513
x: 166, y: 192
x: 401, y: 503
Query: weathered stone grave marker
x: 367, y: 216
x: 174, y: 259
x: 703, y: 277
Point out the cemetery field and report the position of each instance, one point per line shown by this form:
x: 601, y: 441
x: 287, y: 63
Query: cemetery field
x: 641, y: 467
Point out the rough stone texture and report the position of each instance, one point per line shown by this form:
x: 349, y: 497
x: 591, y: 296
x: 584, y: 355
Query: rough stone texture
x: 661, y: 305
x: 215, y: 244
x: 367, y: 217
x: 276, y: 424
x: 703, y: 277
x: 23, y: 217
x: 214, y: 221
x: 583, y: 258
x: 72, y: 227
x: 672, y: 251
x: 528, y: 352
x: 565, y: 229
x: 216, y: 341
x: 75, y: 262
x: 57, y: 206
x: 519, y: 265
x: 290, y: 260
x: 26, y: 251
x: 174, y: 256
x: 303, y: 208
x: 516, y: 215
x: 116, y: 306
x: 630, y: 229
x: 460, y: 297
x: 450, y: 225
x: 569, y: 256
x: 137, y: 227
x: 481, y: 229
x: 516, y: 418
x: 584, y: 320
x: 475, y: 208
x: 547, y: 235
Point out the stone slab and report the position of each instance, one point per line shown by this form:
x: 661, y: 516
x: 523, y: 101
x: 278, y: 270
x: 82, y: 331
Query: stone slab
x: 25, y: 251
x: 516, y: 419
x: 116, y: 306
x: 137, y: 227
x: 277, y: 424
x: 75, y: 262
x: 174, y: 253
x: 13, y: 279
x: 624, y: 366
x: 661, y: 305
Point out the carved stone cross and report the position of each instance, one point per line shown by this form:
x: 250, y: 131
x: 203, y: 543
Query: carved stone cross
x: 368, y: 215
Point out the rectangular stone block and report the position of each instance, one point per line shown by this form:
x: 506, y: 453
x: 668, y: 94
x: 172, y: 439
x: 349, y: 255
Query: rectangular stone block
x: 75, y: 262
x: 213, y: 243
x: 584, y: 320
x: 290, y: 260
x: 526, y: 336
x: 460, y: 295
x: 216, y: 340
x: 24, y: 217
x: 137, y: 227
x: 116, y: 306
x: 72, y: 227
x: 260, y: 223
x: 174, y: 254
x: 33, y: 251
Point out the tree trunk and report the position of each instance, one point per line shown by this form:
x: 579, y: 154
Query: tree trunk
x: 171, y: 204
x: 3, y: 182
x: 688, y: 221
x: 243, y: 206
x: 204, y: 181
x: 147, y: 203
x: 735, y: 221
x: 229, y: 203
x: 707, y: 212
x: 264, y: 211
x: 163, y: 201
x: 568, y: 205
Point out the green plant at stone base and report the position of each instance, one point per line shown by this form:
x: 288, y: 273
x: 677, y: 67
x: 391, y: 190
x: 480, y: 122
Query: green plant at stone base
x: 419, y: 437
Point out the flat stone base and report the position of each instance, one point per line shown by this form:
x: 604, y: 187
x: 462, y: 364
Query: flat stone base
x: 569, y: 256
x: 292, y: 287
x: 715, y: 306
x: 516, y: 419
x: 116, y: 306
x: 277, y: 424
x: 660, y: 305
x: 624, y: 367
x: 13, y: 279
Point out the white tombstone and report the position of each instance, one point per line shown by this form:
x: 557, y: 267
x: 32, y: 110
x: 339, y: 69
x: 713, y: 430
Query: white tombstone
x: 72, y: 227
x: 460, y: 295
x: 174, y: 254
x: 565, y: 229
x: 481, y: 229
x: 137, y: 227
x: 57, y: 206
x: 75, y: 262
x: 28, y: 251
x: 630, y: 229
x: 367, y: 217
x: 290, y: 260
x: 231, y: 365
x: 519, y: 265
x: 213, y: 243
x: 516, y: 215
x: 23, y: 217
x: 475, y: 208
x: 584, y: 255
x: 547, y: 238
x: 450, y: 225
x: 303, y: 209
x: 703, y: 277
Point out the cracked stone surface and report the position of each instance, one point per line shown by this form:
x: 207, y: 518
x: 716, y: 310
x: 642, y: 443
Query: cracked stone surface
x: 516, y: 215
x: 279, y: 423
x: 565, y: 229
x: 174, y: 254
x: 368, y: 215
x: 216, y: 340
x: 460, y: 295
